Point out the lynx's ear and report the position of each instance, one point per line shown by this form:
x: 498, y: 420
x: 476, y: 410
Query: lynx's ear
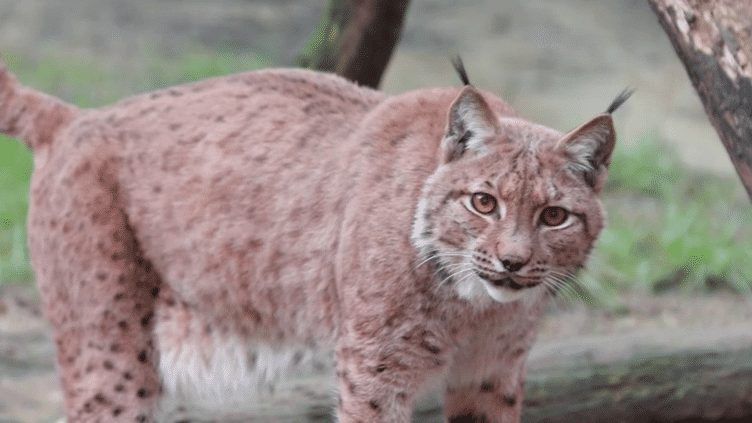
x: 589, y: 148
x: 470, y: 123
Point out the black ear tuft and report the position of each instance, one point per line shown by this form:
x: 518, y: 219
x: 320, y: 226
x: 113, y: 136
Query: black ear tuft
x: 620, y: 99
x: 460, y: 68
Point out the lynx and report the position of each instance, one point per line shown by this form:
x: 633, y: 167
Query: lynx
x: 185, y: 241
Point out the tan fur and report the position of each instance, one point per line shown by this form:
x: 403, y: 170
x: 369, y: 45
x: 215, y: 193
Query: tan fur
x: 183, y: 240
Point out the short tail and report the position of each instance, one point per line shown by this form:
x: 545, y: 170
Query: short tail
x: 30, y: 115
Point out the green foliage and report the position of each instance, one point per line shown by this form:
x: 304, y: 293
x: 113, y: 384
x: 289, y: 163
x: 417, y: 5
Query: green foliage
x: 669, y: 228
x: 15, y: 169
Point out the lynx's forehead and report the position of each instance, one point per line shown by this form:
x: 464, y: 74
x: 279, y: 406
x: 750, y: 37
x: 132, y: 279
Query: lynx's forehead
x: 527, y: 134
x: 528, y: 167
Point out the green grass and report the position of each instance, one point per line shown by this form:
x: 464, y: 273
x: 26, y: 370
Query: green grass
x: 669, y: 228
x: 15, y: 169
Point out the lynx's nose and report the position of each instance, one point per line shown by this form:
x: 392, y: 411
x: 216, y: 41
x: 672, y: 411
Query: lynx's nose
x: 514, y: 253
x: 513, y: 263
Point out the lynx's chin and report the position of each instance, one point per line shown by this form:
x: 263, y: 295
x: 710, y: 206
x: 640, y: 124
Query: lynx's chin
x: 505, y: 290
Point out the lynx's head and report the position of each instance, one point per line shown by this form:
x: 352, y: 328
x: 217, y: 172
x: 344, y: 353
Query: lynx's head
x: 513, y: 206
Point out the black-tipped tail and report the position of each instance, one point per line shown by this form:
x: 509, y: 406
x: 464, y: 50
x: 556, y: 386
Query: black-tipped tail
x: 460, y: 68
x: 620, y: 99
x: 30, y: 115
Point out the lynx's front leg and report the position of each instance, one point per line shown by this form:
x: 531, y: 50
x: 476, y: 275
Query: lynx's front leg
x: 486, y: 383
x: 495, y: 399
x: 378, y: 379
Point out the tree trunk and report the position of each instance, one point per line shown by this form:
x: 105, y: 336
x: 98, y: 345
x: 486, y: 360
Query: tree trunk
x: 355, y: 39
x: 714, y: 41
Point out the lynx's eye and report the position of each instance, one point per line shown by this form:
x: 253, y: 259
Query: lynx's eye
x: 483, y: 203
x: 554, y: 216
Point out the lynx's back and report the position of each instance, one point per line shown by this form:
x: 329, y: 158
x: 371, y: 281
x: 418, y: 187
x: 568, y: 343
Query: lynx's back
x: 191, y: 242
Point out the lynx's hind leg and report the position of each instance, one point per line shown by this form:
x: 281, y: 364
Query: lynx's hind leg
x: 98, y: 290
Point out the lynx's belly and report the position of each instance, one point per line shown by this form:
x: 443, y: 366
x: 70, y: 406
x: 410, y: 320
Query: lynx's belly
x: 208, y: 375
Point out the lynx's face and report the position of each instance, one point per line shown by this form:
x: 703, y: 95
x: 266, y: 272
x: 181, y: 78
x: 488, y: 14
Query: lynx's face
x: 513, y: 207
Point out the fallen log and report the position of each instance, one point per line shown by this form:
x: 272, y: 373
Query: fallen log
x: 666, y: 375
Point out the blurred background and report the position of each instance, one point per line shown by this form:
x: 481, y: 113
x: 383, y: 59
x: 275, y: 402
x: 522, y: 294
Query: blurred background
x: 678, y: 249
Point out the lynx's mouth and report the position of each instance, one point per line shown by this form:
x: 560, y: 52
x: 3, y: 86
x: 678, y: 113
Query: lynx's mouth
x: 507, y: 282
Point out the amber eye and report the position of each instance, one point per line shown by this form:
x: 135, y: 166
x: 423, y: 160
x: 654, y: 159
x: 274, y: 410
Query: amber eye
x: 483, y: 203
x: 554, y: 216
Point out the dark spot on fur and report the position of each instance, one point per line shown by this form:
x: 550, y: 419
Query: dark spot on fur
x: 100, y: 398
x: 116, y: 412
x: 123, y: 325
x: 142, y: 393
x: 351, y: 387
x: 102, y: 276
x: 487, y: 386
x: 141, y: 418
x: 175, y: 93
x: 374, y: 404
x: 469, y: 418
x: 118, y: 296
x: 115, y: 348
x: 89, y: 369
x: 402, y: 397
x: 509, y: 400
x: 175, y: 126
x: 108, y: 365
x: 146, y: 319
x: 142, y: 356
x: 121, y: 279
x: 127, y: 376
x: 155, y: 292
x: 119, y: 387
x: 431, y: 348
x: 380, y: 368
x: 88, y: 408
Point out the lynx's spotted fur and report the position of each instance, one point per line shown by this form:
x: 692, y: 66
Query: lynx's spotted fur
x: 187, y: 240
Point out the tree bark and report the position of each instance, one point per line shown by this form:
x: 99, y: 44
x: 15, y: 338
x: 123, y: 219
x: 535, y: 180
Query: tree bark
x: 713, y: 39
x: 355, y: 39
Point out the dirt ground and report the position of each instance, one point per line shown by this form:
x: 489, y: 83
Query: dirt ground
x: 557, y: 61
